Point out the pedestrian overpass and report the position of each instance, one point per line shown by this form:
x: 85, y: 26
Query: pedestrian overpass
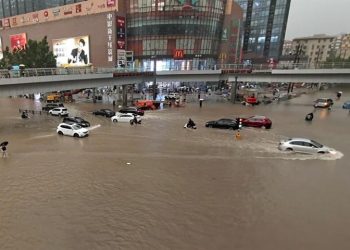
x: 58, y: 79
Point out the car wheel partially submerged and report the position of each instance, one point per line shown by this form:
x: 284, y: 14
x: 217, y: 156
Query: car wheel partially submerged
x: 289, y: 150
x: 76, y: 135
x: 115, y: 120
x: 60, y: 132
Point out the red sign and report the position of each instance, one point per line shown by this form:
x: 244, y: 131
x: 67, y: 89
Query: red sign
x: 120, y: 44
x: 78, y: 8
x: 18, y: 41
x: 111, y: 3
x: 6, y: 22
x: 120, y: 32
x: 121, y: 22
x: 179, y: 54
x: 46, y: 13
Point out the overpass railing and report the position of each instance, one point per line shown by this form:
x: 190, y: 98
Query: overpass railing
x: 33, y: 72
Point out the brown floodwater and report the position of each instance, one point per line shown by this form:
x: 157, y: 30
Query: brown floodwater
x: 160, y: 186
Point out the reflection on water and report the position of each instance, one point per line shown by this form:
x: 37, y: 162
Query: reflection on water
x: 159, y: 186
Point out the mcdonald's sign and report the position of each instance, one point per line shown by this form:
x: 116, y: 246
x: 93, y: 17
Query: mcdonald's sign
x: 179, y: 54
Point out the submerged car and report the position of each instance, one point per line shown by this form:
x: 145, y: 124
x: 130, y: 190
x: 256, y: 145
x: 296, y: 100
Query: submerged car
x: 303, y: 145
x: 50, y: 106
x: 78, y: 120
x: 323, y: 103
x: 224, y: 123
x: 59, y: 111
x: 128, y: 117
x: 346, y: 105
x: 257, y: 121
x: 104, y: 112
x: 72, y: 130
x: 132, y: 110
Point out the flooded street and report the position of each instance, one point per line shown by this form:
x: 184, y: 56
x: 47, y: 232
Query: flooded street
x: 160, y: 186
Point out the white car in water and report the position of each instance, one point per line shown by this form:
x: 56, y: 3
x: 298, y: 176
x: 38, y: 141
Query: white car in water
x: 303, y: 145
x: 125, y: 117
x: 59, y: 111
x: 72, y: 130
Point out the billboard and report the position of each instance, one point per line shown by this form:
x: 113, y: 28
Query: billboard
x: 18, y: 41
x: 72, y: 52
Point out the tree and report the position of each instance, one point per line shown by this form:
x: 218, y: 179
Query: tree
x: 34, y: 55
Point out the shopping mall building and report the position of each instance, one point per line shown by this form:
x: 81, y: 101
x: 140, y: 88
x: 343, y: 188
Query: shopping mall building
x: 176, y: 34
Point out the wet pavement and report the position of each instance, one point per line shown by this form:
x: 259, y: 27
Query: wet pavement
x: 160, y: 186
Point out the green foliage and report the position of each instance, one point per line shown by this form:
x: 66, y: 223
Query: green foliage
x: 36, y: 54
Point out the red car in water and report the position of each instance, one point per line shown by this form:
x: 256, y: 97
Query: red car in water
x: 257, y: 121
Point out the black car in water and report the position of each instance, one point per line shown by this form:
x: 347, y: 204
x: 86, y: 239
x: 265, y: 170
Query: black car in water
x: 224, y: 123
x: 104, y: 112
x: 78, y: 120
x: 132, y: 110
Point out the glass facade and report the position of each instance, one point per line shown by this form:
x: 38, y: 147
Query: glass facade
x: 16, y: 7
x: 265, y: 23
x: 156, y: 29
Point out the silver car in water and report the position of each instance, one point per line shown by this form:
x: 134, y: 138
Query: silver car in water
x: 303, y: 145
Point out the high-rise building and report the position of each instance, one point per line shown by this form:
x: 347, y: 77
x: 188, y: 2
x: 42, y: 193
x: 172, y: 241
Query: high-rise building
x: 184, y: 34
x: 265, y: 23
x: 315, y: 49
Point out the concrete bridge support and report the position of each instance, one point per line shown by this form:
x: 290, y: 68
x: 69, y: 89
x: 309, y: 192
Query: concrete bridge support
x: 234, y: 87
x: 94, y: 95
x: 125, y: 95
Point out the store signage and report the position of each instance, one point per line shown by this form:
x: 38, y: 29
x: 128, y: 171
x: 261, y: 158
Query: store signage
x: 6, y: 22
x: 14, y: 21
x: 67, y: 10
x: 72, y: 52
x: 78, y: 8
x: 18, y: 41
x: 109, y: 23
x: 121, y: 55
x: 56, y: 12
x: 46, y: 14
x: 35, y: 17
x: 111, y: 3
x: 179, y: 54
x: 120, y: 32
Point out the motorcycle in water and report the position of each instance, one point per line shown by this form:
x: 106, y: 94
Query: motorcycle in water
x: 309, y: 117
x: 24, y: 115
x: 190, y: 126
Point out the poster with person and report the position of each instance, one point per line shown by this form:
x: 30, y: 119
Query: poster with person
x: 72, y: 52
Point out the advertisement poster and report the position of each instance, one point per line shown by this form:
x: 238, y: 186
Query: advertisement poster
x: 72, y: 52
x: 18, y: 41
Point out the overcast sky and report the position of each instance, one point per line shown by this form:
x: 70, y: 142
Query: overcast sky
x: 309, y: 17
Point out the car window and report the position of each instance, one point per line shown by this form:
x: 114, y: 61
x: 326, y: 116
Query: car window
x: 306, y: 144
x: 319, y: 145
x: 65, y: 126
x: 298, y: 143
x: 76, y: 127
x: 64, y: 109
